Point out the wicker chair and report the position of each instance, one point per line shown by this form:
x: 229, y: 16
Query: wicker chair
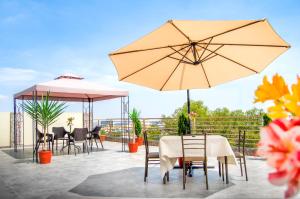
x: 41, y: 138
x: 80, y: 135
x: 59, y: 134
x: 94, y: 135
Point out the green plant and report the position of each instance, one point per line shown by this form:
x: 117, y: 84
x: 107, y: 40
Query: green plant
x: 102, y: 132
x: 45, y: 112
x: 266, y: 120
x: 183, y: 124
x: 135, y: 118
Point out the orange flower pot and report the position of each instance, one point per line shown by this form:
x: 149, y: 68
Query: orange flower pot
x: 133, y: 147
x: 102, y: 137
x: 139, y: 140
x: 45, y: 157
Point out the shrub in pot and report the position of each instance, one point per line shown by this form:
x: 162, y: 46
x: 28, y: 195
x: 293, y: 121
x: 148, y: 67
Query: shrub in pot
x: 183, y: 128
x: 136, y: 130
x: 102, y: 135
x: 45, y: 112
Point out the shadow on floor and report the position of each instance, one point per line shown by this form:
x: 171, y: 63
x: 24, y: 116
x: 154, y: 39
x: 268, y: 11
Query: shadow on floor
x: 27, y: 153
x: 129, y: 183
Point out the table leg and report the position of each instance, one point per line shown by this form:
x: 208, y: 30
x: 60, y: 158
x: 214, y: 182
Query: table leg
x: 226, y: 170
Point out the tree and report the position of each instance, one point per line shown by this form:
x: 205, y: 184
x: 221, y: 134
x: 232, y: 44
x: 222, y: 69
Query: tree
x: 197, y: 107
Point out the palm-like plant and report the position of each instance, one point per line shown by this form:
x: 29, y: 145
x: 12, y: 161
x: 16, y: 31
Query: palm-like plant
x: 45, y: 112
x: 137, y: 126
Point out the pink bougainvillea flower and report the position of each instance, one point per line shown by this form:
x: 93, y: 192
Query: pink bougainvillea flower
x: 280, y: 144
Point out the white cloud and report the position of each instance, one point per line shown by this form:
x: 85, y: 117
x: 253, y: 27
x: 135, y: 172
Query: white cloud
x: 17, y: 74
x: 3, y: 97
x: 13, y: 75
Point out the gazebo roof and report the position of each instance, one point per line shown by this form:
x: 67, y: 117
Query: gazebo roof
x: 69, y: 87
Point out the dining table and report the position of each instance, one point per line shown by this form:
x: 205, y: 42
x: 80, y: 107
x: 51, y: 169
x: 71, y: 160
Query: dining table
x: 217, y: 146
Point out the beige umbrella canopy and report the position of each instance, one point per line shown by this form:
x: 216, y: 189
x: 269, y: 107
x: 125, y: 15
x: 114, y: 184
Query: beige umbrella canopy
x: 198, y: 54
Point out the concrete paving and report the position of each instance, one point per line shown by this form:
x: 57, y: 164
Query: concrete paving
x: 115, y: 174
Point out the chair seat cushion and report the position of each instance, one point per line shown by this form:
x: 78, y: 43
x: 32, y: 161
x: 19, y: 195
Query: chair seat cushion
x: 153, y: 155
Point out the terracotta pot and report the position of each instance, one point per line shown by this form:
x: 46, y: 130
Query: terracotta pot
x: 45, y: 157
x: 133, y: 147
x: 139, y: 140
x: 102, y: 137
x: 180, y: 162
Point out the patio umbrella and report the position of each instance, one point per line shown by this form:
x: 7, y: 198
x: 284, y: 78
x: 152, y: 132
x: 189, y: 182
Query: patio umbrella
x: 183, y: 55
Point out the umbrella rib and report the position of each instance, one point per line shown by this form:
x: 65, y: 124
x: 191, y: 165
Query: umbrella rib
x: 232, y: 60
x: 180, y: 60
x: 175, y: 69
x: 176, y: 27
x: 205, y: 49
x: 181, y: 53
x: 181, y: 78
x: 257, y: 45
x: 205, y: 75
x: 212, y: 52
x: 233, y: 29
x: 204, y: 60
x: 146, y: 49
x: 149, y: 65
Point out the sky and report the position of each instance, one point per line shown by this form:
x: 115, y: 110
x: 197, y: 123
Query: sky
x: 40, y: 40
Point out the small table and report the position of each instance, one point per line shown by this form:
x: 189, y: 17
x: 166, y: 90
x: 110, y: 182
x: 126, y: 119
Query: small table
x: 170, y: 148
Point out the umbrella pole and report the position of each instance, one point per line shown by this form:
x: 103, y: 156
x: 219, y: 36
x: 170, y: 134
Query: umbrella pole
x: 188, y: 109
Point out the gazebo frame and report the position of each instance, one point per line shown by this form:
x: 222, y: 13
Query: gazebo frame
x: 36, y: 92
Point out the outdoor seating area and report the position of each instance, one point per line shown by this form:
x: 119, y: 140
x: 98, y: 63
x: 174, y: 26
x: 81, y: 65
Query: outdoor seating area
x: 149, y: 99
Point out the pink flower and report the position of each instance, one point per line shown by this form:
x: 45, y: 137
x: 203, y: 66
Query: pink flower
x: 280, y: 144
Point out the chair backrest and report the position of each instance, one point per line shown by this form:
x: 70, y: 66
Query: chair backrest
x: 40, y: 135
x: 96, y: 129
x: 80, y: 134
x: 194, y: 144
x: 241, y: 141
x: 59, y: 132
x: 146, y: 142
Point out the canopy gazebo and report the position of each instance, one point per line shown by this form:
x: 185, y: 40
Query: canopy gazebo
x: 68, y: 88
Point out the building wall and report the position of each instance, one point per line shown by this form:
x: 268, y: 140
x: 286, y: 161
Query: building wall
x: 5, y: 125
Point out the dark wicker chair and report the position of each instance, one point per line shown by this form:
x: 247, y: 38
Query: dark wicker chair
x: 195, y: 144
x: 151, y: 158
x: 79, y: 135
x: 94, y: 136
x: 40, y: 140
x: 59, y: 134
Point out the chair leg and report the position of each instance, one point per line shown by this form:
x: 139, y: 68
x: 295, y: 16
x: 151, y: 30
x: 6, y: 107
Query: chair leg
x: 241, y: 166
x: 56, y: 144
x: 101, y: 144
x: 244, y: 158
x: 206, y: 176
x: 146, y: 169
x: 219, y: 166
x: 168, y: 176
x: 96, y: 142
x: 183, y: 175
x: 223, y: 172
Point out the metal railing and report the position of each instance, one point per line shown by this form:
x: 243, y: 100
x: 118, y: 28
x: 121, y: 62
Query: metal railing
x: 157, y: 127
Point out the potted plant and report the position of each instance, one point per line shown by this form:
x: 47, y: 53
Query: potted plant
x: 136, y: 129
x: 102, y: 136
x: 70, y: 122
x: 45, y: 112
x: 183, y: 128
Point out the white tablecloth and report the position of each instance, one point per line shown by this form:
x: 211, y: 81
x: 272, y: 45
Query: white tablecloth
x: 170, y: 149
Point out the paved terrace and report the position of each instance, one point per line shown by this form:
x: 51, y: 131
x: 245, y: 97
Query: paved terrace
x: 114, y: 174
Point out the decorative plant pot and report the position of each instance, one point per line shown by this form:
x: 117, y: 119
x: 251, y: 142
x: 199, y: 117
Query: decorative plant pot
x: 133, y: 147
x: 45, y: 157
x: 139, y: 140
x: 180, y: 162
x: 102, y: 137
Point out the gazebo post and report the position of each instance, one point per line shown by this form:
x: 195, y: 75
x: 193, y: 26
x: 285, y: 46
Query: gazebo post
x: 23, y: 122
x: 128, y: 121
x: 15, y: 126
x: 35, y: 129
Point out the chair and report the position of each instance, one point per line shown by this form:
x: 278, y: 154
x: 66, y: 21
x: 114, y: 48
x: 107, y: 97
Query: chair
x: 79, y: 135
x: 151, y: 158
x: 40, y: 140
x: 240, y: 155
x: 59, y: 134
x: 191, y: 145
x: 94, y: 135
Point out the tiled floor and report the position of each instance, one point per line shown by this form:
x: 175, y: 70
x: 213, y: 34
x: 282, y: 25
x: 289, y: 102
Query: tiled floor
x: 114, y: 174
